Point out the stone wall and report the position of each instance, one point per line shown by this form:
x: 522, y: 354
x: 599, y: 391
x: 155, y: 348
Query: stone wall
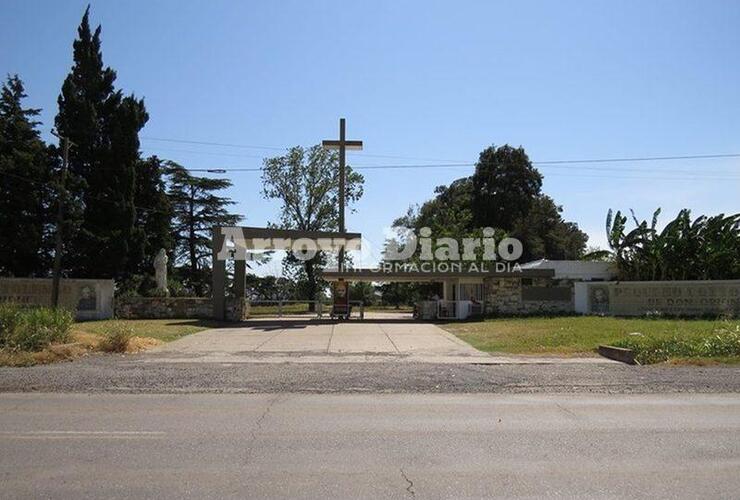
x: 504, y: 296
x: 178, y: 307
x: 163, y: 307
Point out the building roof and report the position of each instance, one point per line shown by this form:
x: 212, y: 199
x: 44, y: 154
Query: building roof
x: 574, y: 269
x: 370, y: 274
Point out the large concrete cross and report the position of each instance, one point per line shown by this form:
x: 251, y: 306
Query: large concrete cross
x: 342, y: 145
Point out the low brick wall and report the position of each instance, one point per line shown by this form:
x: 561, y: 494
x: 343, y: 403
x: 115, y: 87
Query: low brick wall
x: 504, y: 296
x: 163, y: 307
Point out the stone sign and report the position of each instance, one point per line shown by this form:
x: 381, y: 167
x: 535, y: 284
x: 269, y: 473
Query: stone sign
x: 680, y: 298
x: 89, y: 298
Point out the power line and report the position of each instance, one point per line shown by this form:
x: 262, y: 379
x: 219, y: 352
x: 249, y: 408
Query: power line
x: 696, y: 174
x: 456, y: 164
x: 643, y: 158
x: 548, y: 164
x: 210, y: 153
x: 271, y: 148
x: 595, y: 172
x: 207, y: 143
x: 97, y: 198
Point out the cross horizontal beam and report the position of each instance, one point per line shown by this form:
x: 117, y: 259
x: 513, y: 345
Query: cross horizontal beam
x: 331, y: 144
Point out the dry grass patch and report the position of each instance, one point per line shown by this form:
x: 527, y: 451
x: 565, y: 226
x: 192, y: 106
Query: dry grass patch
x: 138, y: 344
x: 122, y: 336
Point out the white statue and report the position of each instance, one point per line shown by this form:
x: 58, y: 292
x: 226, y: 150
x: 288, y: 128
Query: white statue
x: 160, y: 271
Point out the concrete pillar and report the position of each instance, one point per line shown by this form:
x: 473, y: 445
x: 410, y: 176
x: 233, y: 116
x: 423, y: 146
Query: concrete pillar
x: 218, y: 292
x: 240, y: 277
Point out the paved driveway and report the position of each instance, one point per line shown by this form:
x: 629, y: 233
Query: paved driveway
x: 310, y: 342
x: 306, y: 341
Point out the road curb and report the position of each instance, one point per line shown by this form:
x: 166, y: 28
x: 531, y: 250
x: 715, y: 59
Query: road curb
x: 618, y: 354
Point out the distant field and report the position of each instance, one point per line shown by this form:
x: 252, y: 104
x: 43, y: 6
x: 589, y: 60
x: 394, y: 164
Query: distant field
x: 581, y: 335
x: 273, y: 309
x: 401, y: 309
x: 257, y: 310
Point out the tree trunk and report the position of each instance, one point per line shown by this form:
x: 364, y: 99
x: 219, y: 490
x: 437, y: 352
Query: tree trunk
x: 192, y: 252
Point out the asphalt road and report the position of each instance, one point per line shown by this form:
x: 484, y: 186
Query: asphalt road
x: 369, y: 446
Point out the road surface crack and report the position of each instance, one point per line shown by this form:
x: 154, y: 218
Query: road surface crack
x: 566, y: 411
x: 410, y: 487
x: 257, y: 427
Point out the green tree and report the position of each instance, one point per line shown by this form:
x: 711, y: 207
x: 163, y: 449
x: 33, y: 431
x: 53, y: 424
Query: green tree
x: 505, y: 185
x: 545, y: 235
x: 269, y: 288
x: 505, y: 194
x: 24, y: 170
x: 306, y: 182
x: 197, y: 210
x: 396, y: 294
x: 449, y: 213
x: 153, y: 215
x: 103, y: 124
x: 364, y: 291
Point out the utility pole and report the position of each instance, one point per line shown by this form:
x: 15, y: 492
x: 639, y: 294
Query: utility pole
x: 342, y: 145
x: 57, y: 272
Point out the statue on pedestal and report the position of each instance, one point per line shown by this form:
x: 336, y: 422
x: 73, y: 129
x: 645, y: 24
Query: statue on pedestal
x: 160, y: 272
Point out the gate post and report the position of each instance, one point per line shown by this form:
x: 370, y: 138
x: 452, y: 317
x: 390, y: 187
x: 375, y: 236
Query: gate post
x: 218, y: 286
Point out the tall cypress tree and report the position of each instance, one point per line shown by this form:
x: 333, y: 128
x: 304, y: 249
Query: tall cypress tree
x: 24, y: 163
x: 103, y: 125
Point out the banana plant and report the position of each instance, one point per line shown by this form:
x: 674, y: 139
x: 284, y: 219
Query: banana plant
x: 705, y: 248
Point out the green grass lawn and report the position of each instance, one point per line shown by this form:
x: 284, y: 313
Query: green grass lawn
x: 578, y: 335
x: 274, y: 309
x: 165, y: 330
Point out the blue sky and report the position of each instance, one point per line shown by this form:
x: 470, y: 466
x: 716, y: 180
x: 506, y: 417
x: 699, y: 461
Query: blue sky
x: 432, y: 80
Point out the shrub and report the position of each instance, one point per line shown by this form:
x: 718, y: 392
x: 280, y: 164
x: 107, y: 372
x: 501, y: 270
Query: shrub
x: 724, y: 342
x: 117, y: 337
x: 33, y: 328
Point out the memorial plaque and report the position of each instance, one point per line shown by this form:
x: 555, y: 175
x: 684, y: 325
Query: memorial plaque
x: 88, y: 298
x: 680, y: 298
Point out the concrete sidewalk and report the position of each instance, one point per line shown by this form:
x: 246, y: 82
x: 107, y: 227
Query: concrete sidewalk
x: 345, y: 342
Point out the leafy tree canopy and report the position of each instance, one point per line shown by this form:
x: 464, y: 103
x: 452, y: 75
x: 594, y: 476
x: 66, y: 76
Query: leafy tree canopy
x: 505, y: 194
x: 306, y: 183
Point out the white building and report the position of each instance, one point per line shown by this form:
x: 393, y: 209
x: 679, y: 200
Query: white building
x: 575, y: 270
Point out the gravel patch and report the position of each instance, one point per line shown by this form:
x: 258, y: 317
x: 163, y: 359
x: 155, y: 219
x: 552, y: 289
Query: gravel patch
x: 126, y: 374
